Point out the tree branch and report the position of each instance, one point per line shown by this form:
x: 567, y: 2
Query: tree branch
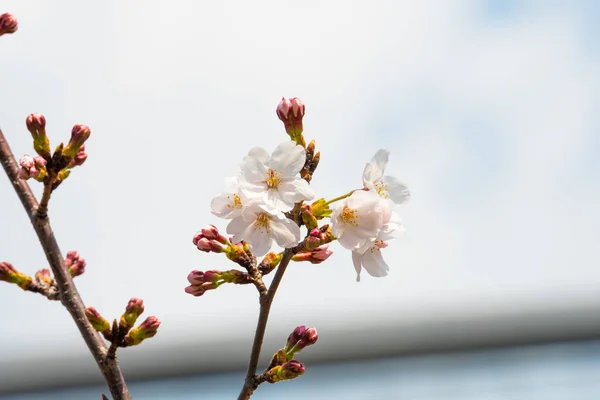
x: 251, y: 382
x: 68, y: 292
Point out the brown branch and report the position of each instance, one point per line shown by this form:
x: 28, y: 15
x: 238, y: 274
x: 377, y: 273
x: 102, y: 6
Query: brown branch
x: 252, y: 381
x: 68, y: 292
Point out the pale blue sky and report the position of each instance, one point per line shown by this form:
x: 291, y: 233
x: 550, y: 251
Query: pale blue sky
x: 489, y: 110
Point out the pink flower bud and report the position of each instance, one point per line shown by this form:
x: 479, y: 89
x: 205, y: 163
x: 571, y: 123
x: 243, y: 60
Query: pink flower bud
x: 8, y: 24
x: 321, y: 254
x: 36, y: 125
x: 295, y: 337
x: 299, y: 339
x: 75, y: 263
x: 197, y: 237
x: 80, y: 157
x: 135, y: 308
x: 79, y: 134
x: 147, y: 329
x: 207, y: 245
x: 310, y: 337
x: 290, y: 112
x: 97, y: 321
x: 7, y: 272
x: 32, y: 168
x: 212, y: 233
x: 290, y: 370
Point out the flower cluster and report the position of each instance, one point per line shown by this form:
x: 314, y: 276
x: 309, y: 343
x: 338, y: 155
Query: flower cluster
x: 366, y: 219
x: 269, y: 185
x: 265, y: 203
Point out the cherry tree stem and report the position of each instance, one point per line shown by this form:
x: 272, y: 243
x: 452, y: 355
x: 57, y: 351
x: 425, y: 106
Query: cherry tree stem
x: 251, y: 382
x: 69, y: 295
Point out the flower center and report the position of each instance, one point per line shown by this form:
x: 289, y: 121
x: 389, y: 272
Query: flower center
x: 349, y: 216
x: 237, y: 202
x: 274, y: 177
x: 381, y: 189
x: 262, y: 223
x: 378, y: 245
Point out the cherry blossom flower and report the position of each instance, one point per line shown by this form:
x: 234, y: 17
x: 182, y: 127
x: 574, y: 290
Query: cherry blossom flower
x: 259, y: 224
x: 369, y: 256
x: 275, y: 177
x: 385, y: 186
x: 229, y: 205
x: 357, y: 220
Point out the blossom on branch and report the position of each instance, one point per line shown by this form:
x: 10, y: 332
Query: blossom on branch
x: 260, y: 224
x: 274, y: 178
x: 385, y: 186
x: 369, y: 257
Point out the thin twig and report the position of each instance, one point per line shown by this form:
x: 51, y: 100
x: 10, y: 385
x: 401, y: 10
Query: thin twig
x: 68, y: 292
x: 251, y: 382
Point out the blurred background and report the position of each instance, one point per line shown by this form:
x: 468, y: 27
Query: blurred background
x: 490, y: 111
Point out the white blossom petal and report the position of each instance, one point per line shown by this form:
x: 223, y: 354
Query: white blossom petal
x: 288, y: 158
x: 260, y: 241
x: 285, y: 232
x: 374, y: 169
x: 374, y: 264
x: 397, y: 191
x: 226, y: 205
x: 296, y: 190
x: 238, y: 228
x: 254, y: 165
x: 356, y: 260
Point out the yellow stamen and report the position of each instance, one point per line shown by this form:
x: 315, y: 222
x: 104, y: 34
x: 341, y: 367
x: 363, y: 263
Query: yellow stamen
x: 274, y: 178
x: 349, y: 216
x: 237, y: 202
x: 262, y: 223
x: 381, y: 189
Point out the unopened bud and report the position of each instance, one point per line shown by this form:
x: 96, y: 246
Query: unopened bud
x: 290, y: 370
x: 308, y: 218
x: 207, y: 246
x: 299, y: 339
x: 32, y: 167
x: 8, y: 24
x: 79, y: 134
x: 269, y: 262
x: 9, y: 274
x: 315, y: 256
x: 98, y: 322
x: 201, y: 281
x: 134, y: 309
x: 295, y: 337
x: 290, y: 112
x: 313, y: 240
x: 146, y: 330
x: 36, y: 125
x: 75, y: 263
x: 79, y: 158
x: 212, y: 233
x: 43, y: 277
